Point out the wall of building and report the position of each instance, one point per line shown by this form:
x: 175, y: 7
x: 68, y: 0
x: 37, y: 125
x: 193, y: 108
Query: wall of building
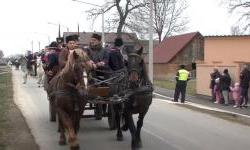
x: 165, y: 71
x: 227, y: 49
x: 203, y: 76
x: 221, y: 53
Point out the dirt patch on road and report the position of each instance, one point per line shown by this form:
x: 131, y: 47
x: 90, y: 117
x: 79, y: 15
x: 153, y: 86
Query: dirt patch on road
x: 14, y: 132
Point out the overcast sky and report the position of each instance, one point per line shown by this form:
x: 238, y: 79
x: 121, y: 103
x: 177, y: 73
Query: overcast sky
x: 25, y: 20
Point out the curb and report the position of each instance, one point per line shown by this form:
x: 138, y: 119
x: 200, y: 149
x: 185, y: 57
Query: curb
x: 227, y: 115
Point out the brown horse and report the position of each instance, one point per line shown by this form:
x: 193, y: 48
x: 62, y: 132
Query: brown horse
x: 139, y: 94
x: 68, y: 89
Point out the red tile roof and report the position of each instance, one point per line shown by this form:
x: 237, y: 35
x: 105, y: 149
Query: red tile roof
x: 171, y: 46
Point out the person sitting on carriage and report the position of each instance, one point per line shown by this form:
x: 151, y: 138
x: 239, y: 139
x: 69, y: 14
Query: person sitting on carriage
x: 52, y: 65
x: 72, y: 44
x: 99, y: 56
x: 116, y: 59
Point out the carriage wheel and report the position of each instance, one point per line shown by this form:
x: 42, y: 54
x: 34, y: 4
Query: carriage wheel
x: 98, y: 112
x: 52, y: 111
x: 111, y: 117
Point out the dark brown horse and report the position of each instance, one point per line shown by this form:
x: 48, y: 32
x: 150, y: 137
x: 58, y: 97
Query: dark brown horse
x: 139, y: 97
x: 68, y: 88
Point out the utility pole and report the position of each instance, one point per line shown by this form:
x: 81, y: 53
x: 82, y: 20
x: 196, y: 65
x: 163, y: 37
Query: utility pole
x: 32, y: 46
x: 150, y: 52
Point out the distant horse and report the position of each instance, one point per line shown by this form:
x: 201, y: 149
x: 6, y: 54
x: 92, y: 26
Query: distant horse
x: 139, y: 97
x: 68, y: 88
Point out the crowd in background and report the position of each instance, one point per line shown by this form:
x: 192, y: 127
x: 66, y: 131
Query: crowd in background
x: 222, y: 89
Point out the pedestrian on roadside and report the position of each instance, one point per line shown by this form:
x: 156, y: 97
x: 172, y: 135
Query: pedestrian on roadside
x: 182, y: 77
x: 28, y: 67
x: 214, y: 75
x: 225, y: 82
x: 236, y: 94
x: 244, y: 84
x: 217, y: 91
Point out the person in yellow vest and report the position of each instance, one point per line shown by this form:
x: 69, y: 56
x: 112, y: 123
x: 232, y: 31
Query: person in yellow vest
x: 182, y: 77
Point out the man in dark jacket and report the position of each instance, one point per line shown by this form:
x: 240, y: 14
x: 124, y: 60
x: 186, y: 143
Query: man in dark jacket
x: 225, y: 82
x: 98, y: 55
x: 116, y: 61
x: 244, y: 84
x: 52, y: 64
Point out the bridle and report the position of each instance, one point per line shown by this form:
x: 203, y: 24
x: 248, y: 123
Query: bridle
x: 135, y: 68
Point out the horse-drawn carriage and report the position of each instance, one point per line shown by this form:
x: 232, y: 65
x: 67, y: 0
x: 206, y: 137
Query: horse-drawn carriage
x: 121, y: 94
x: 102, y: 93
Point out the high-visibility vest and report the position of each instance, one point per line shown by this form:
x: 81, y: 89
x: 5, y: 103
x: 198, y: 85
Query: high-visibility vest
x: 183, y: 75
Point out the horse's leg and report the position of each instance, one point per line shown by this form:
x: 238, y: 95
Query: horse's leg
x: 68, y: 125
x: 76, y: 120
x: 62, y: 140
x: 138, y: 130
x: 132, y: 130
x: 117, y: 108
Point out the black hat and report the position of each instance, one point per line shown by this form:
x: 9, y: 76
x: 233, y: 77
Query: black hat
x: 96, y: 36
x: 118, y: 41
x: 182, y: 66
x: 225, y: 71
x: 53, y: 45
x: 72, y: 38
x: 59, y: 40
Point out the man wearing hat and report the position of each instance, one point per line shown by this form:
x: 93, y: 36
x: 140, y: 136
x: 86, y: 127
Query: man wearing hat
x: 116, y: 60
x: 71, y: 44
x: 182, y: 77
x: 52, y: 65
x: 59, y: 41
x: 97, y: 53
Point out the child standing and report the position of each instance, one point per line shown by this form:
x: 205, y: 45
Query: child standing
x: 217, y: 91
x: 236, y: 94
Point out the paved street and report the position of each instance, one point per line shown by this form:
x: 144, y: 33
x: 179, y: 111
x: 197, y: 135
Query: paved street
x: 166, y: 127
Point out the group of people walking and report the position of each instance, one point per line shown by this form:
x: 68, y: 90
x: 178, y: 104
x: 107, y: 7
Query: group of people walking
x: 54, y: 56
x: 221, y: 87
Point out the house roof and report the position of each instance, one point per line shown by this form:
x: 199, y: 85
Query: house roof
x: 226, y: 36
x: 109, y: 37
x: 171, y: 46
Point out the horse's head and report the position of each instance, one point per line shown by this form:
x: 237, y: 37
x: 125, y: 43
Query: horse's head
x: 135, y: 65
x: 76, y: 61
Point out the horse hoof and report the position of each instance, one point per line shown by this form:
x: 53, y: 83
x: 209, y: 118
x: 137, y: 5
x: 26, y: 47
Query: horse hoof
x: 124, y: 128
x: 139, y: 145
x: 135, y: 148
x: 62, y: 142
x: 119, y: 138
x: 77, y: 147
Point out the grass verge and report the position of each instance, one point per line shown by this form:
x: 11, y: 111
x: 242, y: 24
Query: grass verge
x: 6, y: 97
x: 170, y: 84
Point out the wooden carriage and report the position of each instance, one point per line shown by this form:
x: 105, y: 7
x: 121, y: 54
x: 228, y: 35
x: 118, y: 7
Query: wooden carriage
x: 102, y: 94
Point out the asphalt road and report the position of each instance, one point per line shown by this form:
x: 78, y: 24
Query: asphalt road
x: 167, y: 126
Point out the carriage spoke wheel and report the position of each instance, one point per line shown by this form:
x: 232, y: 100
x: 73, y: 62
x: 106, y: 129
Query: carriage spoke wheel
x: 111, y: 117
x: 52, y: 111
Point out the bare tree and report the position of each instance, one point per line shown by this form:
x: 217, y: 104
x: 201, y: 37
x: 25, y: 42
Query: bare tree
x: 235, y: 30
x: 1, y: 54
x: 122, y: 9
x: 241, y: 8
x: 168, y: 18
